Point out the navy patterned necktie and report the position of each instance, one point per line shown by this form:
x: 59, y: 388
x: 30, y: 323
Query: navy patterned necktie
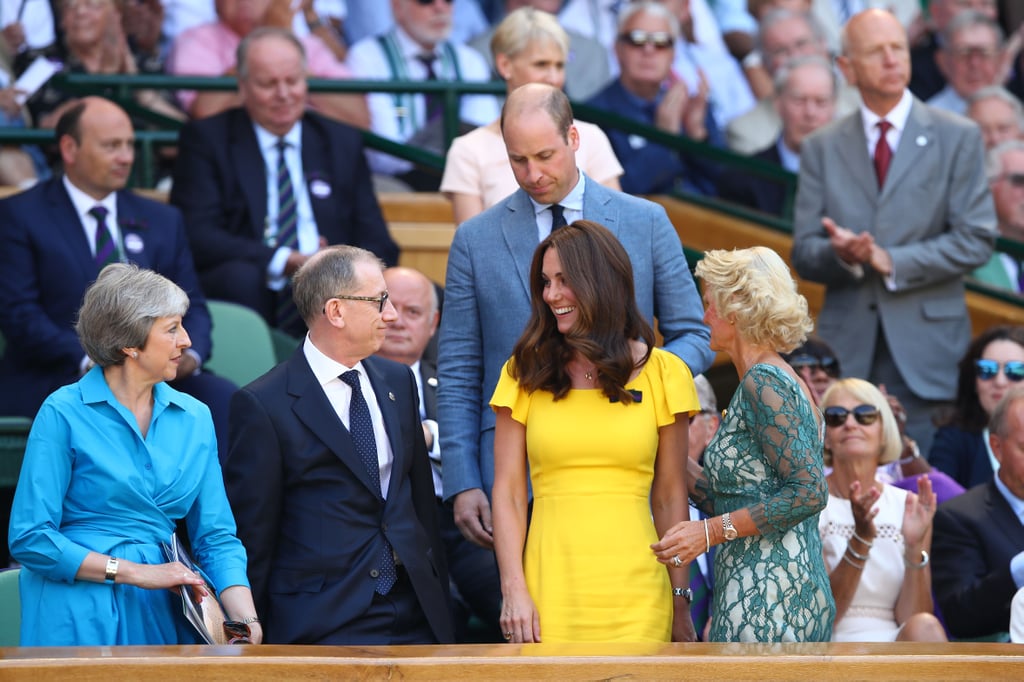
x: 106, y: 250
x: 435, y: 107
x: 557, y: 217
x: 287, y: 215
x: 360, y: 426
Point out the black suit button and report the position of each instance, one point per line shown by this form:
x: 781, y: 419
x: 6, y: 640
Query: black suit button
x: 374, y: 573
x: 873, y: 306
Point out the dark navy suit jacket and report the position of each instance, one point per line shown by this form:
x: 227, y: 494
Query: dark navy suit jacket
x: 312, y: 521
x: 755, y: 191
x: 962, y: 455
x: 220, y: 185
x: 45, y: 267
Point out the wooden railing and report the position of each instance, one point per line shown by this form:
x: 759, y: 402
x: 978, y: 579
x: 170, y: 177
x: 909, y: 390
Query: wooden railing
x: 704, y: 662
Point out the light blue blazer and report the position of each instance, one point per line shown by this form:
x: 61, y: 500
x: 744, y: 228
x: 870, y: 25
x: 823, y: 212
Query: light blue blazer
x: 487, y: 305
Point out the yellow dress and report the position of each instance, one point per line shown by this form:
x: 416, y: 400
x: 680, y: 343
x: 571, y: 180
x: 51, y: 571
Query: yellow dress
x: 588, y: 562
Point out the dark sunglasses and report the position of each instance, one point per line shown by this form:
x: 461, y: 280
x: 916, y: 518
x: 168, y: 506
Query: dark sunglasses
x: 826, y: 364
x: 431, y: 2
x: 237, y: 632
x: 866, y: 415
x: 659, y: 40
x: 988, y: 369
x: 1015, y: 179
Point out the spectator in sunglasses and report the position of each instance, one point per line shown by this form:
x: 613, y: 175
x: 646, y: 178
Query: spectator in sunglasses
x: 1004, y: 166
x: 816, y: 364
x: 992, y: 365
x: 647, y: 92
x: 876, y: 537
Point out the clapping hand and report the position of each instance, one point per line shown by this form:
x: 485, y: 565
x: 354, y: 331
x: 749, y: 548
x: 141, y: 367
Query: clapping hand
x: 864, y: 511
x: 918, y: 514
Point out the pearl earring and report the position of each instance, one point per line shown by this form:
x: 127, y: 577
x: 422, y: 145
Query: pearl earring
x: 135, y: 355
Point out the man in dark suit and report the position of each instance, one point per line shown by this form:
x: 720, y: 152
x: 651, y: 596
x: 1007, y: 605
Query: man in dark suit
x: 265, y: 186
x: 978, y: 545
x: 53, y: 239
x: 805, y: 100
x: 473, y: 570
x: 892, y: 210
x: 329, y: 479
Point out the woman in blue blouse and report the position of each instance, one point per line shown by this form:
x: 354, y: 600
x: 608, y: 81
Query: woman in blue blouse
x: 112, y: 462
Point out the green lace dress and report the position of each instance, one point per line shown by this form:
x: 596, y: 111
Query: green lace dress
x: 766, y: 457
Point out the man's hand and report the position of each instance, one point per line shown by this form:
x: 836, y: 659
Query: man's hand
x: 14, y: 35
x: 473, y: 517
x: 187, y: 366
x: 852, y: 248
x: 672, y: 109
x: 695, y: 114
x: 880, y: 260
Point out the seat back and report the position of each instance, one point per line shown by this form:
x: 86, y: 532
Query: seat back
x: 243, y: 348
x: 10, y: 606
x: 13, y: 436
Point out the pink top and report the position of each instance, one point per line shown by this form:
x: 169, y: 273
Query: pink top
x: 209, y: 50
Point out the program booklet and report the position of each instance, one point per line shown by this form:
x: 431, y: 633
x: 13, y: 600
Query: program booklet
x: 205, y: 614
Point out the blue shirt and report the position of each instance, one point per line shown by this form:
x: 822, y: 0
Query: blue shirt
x: 652, y: 168
x: 91, y: 482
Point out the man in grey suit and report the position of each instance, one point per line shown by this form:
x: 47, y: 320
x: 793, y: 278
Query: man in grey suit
x: 487, y: 295
x: 892, y: 211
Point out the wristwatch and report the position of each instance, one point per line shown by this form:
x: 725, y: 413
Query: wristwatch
x: 684, y: 592
x: 111, y: 573
x: 728, y: 530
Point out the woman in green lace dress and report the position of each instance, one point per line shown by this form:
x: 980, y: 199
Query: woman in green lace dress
x: 762, y: 482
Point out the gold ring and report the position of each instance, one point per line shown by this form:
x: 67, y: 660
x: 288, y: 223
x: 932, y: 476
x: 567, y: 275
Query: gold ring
x: 508, y: 635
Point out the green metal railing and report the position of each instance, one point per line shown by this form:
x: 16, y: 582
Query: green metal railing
x: 121, y: 87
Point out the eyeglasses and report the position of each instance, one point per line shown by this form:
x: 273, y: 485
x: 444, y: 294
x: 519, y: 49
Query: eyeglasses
x: 988, y: 369
x: 659, y: 40
x: 827, y: 364
x: 866, y: 415
x: 968, y: 51
x: 431, y: 2
x: 381, y: 300
x: 1015, y: 179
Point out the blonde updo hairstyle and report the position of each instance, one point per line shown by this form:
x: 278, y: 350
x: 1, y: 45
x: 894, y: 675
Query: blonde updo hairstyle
x: 753, y: 289
x: 866, y: 393
x: 526, y: 26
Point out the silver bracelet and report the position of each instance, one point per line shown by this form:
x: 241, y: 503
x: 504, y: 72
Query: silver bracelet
x: 867, y: 543
x: 925, y: 558
x: 849, y: 561
x: 707, y: 538
x: 855, y: 555
x: 249, y: 621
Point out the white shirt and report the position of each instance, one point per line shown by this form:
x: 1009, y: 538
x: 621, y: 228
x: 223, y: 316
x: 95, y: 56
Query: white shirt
x: 307, y: 233
x: 339, y: 395
x: 435, y: 451
x: 36, y: 19
x: 572, y: 205
x: 897, y: 117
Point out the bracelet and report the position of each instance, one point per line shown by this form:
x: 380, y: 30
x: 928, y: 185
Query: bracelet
x: 867, y: 543
x: 111, y: 574
x: 925, y: 558
x: 849, y: 561
x: 253, y: 619
x: 684, y: 592
x: 707, y: 538
x: 861, y: 557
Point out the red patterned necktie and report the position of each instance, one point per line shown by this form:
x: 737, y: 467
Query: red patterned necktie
x: 883, y: 153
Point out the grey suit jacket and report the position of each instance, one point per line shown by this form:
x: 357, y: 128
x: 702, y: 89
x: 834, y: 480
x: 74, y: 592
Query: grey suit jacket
x: 934, y: 216
x: 487, y: 304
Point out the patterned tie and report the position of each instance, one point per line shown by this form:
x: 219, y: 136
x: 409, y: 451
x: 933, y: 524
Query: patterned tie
x: 883, y: 154
x: 106, y: 250
x: 287, y: 315
x: 435, y: 107
x: 360, y: 427
x: 557, y: 217
x: 700, y: 606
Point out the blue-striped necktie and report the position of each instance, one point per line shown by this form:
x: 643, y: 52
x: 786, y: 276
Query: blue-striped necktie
x: 287, y: 315
x: 360, y: 426
x: 106, y: 249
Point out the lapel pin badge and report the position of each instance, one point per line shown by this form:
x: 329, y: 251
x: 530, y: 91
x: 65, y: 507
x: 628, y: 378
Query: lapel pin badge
x: 391, y: 396
x: 432, y: 381
x: 921, y: 140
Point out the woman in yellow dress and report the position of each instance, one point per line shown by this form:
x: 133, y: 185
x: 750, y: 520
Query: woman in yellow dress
x: 602, y: 417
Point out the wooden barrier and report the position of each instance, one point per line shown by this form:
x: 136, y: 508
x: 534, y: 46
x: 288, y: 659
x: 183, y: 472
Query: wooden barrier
x: 704, y: 662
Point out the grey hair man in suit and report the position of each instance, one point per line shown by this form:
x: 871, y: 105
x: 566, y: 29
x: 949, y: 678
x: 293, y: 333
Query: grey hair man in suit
x: 487, y: 293
x: 892, y: 211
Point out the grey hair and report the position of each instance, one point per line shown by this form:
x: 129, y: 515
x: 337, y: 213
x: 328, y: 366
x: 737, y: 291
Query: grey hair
x: 242, y: 52
x: 1003, y: 95
x: 969, y: 19
x: 781, y: 80
x: 781, y: 14
x: 120, y: 308
x: 655, y: 9
x: 525, y: 26
x: 330, y: 272
x: 994, y: 157
x: 997, y: 423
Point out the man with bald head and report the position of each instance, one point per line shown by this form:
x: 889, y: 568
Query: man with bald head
x: 892, y: 212
x: 58, y: 235
x: 487, y: 294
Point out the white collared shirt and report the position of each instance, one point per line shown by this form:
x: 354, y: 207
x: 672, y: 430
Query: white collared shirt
x: 339, y: 395
x: 84, y: 203
x: 897, y: 117
x: 308, y: 235
x: 572, y: 205
x: 435, y: 451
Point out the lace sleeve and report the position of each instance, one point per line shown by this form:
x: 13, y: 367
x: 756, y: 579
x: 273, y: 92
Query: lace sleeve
x: 790, y: 441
